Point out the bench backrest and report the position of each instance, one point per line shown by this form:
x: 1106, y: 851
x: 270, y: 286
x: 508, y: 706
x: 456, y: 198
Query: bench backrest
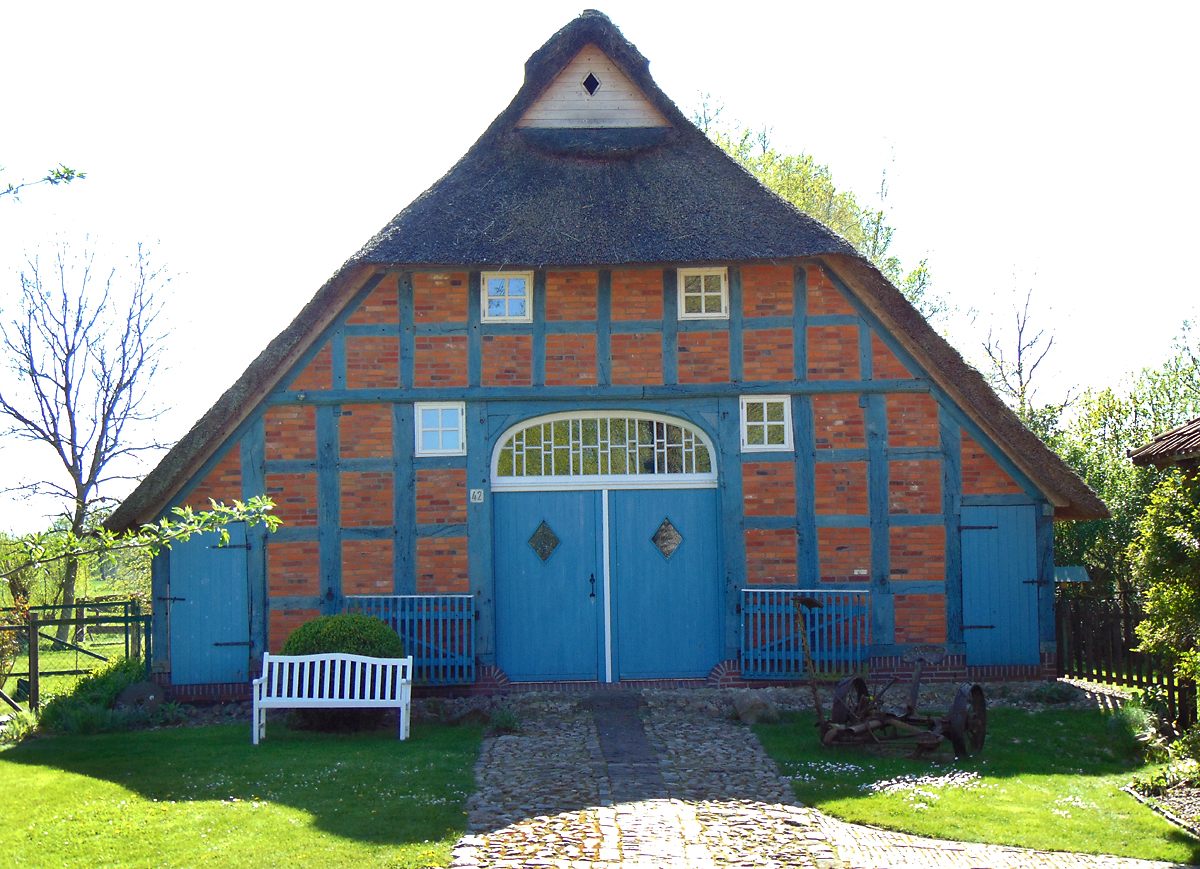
x: 336, y: 677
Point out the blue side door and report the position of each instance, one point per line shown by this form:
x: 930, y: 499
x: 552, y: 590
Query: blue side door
x: 666, y: 583
x: 999, y: 585
x: 548, y: 608
x: 209, y: 609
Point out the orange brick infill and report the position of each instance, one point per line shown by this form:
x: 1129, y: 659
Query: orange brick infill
x: 637, y: 359
x: 372, y: 361
x: 841, y: 489
x: 223, y: 483
x: 507, y: 360
x: 442, y: 565
x: 917, y: 553
x: 915, y: 487
x: 366, y: 498
x: 637, y: 294
x: 282, y: 622
x: 293, y: 568
x: 844, y: 554
x: 365, y: 431
x: 838, y: 422
x: 381, y: 306
x: 291, y: 432
x: 833, y: 353
x: 771, y: 556
x: 767, y: 355
x: 440, y: 297
x: 704, y: 357
x: 884, y: 364
x: 295, y: 497
x: 367, y: 567
x: 440, y: 360
x: 981, y: 474
x: 767, y: 291
x: 919, y: 618
x: 769, y: 488
x: 824, y: 297
x: 571, y: 295
x: 912, y: 420
x: 318, y: 374
x: 570, y: 360
x: 441, y: 496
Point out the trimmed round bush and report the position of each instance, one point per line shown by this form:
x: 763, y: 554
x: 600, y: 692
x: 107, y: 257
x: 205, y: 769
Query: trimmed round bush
x: 352, y: 634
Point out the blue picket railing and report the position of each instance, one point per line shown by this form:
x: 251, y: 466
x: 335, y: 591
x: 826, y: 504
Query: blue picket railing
x: 839, y: 633
x: 437, y: 630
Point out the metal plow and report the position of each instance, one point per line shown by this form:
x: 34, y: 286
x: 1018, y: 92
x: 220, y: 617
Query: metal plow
x: 859, y: 717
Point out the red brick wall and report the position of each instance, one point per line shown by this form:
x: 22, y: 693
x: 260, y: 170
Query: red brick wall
x: 570, y: 360
x: 920, y: 618
x: 440, y: 360
x: 223, y: 483
x: 366, y: 498
x: 571, y: 295
x: 439, y: 297
x: 637, y: 294
x: 637, y: 359
x: 824, y: 297
x: 293, y: 568
x: 918, y: 553
x: 442, y: 565
x: 372, y: 361
x: 295, y: 497
x: 318, y: 374
x: 842, y: 551
x: 291, y: 432
x: 703, y: 357
x: 841, y: 488
x: 884, y: 364
x: 767, y: 354
x: 381, y: 306
x: 367, y: 567
x: 767, y: 291
x: 838, y: 422
x: 770, y: 556
x: 912, y: 420
x: 769, y: 488
x: 833, y: 353
x: 441, y: 496
x: 507, y: 360
x: 981, y: 474
x: 915, y: 487
x: 283, y: 622
x: 365, y: 431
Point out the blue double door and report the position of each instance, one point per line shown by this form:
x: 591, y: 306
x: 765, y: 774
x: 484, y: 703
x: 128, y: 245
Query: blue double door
x: 605, y: 586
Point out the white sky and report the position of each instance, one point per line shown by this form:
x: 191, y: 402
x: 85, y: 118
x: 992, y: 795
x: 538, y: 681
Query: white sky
x: 1027, y: 145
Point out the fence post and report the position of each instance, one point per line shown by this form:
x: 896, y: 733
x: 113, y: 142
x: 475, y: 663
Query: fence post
x: 33, y: 663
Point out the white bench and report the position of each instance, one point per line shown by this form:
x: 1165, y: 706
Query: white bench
x: 331, y: 681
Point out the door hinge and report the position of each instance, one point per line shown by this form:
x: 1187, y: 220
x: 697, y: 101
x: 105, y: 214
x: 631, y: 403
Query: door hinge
x: 233, y: 546
x: 976, y: 627
x: 978, y: 527
x: 240, y: 643
x: 170, y: 598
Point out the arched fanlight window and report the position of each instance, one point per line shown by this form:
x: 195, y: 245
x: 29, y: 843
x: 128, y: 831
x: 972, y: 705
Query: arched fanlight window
x: 604, y: 449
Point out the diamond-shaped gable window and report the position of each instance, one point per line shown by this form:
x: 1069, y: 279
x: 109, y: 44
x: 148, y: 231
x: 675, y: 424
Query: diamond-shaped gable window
x: 591, y: 84
x: 544, y: 541
x: 666, y: 538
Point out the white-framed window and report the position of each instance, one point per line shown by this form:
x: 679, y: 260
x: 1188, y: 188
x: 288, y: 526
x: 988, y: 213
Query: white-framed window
x: 703, y: 294
x: 507, y: 297
x: 441, y: 428
x: 766, y: 423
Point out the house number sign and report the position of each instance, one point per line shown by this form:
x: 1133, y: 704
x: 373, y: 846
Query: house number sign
x: 477, y: 496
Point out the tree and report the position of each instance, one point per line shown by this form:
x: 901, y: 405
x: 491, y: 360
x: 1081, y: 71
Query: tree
x: 83, y: 353
x: 1012, y: 373
x: 60, y: 174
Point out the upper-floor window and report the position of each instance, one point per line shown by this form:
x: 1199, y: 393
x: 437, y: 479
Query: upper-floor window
x: 703, y: 294
x: 766, y: 423
x: 441, y: 428
x: 507, y: 297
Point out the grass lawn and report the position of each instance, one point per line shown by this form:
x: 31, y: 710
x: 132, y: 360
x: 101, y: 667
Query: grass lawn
x: 204, y: 796
x: 1045, y: 780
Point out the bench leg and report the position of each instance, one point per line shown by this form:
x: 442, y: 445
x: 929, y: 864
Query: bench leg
x: 258, y: 724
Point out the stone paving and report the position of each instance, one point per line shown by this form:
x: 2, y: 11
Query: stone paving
x: 667, y: 779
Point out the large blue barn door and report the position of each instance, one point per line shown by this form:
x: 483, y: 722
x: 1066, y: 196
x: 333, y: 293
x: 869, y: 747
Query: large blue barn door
x: 549, y: 585
x: 666, y: 582
x: 210, y: 613
x: 999, y: 585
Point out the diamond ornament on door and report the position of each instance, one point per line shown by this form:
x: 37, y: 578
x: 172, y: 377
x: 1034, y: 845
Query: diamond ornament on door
x: 544, y: 541
x: 667, y: 538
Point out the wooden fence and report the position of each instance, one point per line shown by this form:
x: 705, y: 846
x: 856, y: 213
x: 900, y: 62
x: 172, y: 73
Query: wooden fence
x: 1096, y: 642
x: 838, y: 633
x: 437, y: 630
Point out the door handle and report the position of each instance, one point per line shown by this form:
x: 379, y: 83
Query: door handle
x: 592, y: 580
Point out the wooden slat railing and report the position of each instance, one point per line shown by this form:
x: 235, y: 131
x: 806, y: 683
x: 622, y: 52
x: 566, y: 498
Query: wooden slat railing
x: 839, y: 633
x: 437, y: 630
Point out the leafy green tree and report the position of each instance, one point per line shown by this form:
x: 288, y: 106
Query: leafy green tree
x: 60, y: 174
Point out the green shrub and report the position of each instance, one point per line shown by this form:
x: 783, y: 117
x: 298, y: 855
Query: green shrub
x: 1187, y: 746
x: 85, y: 708
x: 20, y: 725
x: 352, y: 634
x: 1053, y: 693
x: 1135, y: 732
x: 504, y: 721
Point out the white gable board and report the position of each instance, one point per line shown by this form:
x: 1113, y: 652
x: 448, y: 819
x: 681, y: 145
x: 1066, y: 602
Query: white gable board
x: 615, y: 102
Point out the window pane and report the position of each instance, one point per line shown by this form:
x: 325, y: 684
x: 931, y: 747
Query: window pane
x: 429, y: 417
x: 775, y: 411
x: 516, y: 307
x: 712, y: 304
x: 703, y: 464
x: 691, y: 284
x: 450, y: 417
x: 691, y: 304
x: 775, y: 434
x: 450, y: 440
x: 754, y: 434
x: 430, y: 441
x: 516, y: 286
x: 754, y: 411
x: 495, y: 286
x: 495, y: 307
x: 712, y: 283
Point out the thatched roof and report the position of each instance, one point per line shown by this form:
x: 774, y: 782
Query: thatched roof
x: 1179, y: 446
x: 602, y: 197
